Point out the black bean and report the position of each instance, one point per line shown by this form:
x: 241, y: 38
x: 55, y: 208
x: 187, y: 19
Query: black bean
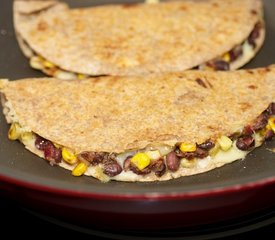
x: 199, y: 153
x: 159, y: 167
x: 126, y: 164
x: 245, y: 143
x: 254, y: 35
x: 260, y: 122
x: 53, y: 154
x: 248, y: 131
x: 219, y: 65
x: 172, y: 161
x: 112, y: 169
x: 42, y: 143
x: 135, y: 169
x: 91, y: 157
x: 271, y: 109
x: 206, y: 145
x: 236, y: 53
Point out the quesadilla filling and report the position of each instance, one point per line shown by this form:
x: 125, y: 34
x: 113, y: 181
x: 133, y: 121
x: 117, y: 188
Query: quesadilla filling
x: 244, y: 50
x: 225, y: 62
x: 159, y: 160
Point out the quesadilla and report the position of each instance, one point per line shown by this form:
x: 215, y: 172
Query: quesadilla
x: 137, y: 39
x: 138, y: 128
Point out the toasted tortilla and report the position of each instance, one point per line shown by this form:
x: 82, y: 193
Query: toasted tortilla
x: 136, y: 39
x: 122, y: 115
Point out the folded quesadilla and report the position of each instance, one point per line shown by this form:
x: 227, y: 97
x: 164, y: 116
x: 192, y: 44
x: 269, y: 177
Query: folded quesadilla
x: 137, y: 39
x: 150, y: 128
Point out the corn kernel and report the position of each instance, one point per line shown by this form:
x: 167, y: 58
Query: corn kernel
x: 186, y: 147
x: 271, y: 123
x: 154, y: 155
x: 48, y: 64
x: 187, y: 163
x: 225, y: 143
x: 226, y: 57
x: 81, y: 76
x: 141, y: 160
x: 57, y: 145
x: 80, y: 169
x: 213, y: 151
x: 99, y: 174
x: 14, y: 131
x: 68, y: 156
x: 36, y: 63
x: 26, y: 136
x: 263, y: 131
x: 40, y: 58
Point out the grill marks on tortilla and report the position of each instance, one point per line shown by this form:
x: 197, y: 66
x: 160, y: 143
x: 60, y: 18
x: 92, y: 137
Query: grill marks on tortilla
x: 204, y: 83
x: 201, y: 82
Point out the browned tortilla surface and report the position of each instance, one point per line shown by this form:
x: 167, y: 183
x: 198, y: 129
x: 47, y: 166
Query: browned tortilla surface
x: 135, y: 39
x: 116, y: 114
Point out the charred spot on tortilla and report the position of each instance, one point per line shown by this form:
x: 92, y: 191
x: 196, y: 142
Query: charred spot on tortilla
x: 185, y: 129
x: 201, y: 82
x: 252, y: 87
x: 139, y: 53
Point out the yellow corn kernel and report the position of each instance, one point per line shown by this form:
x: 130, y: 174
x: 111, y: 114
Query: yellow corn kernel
x: 271, y: 123
x: 27, y: 136
x: 263, y: 131
x: 186, y: 147
x: 40, y: 58
x: 141, y: 160
x: 57, y: 145
x: 48, y: 64
x: 99, y: 174
x: 68, y: 156
x: 14, y: 131
x: 226, y: 57
x: 154, y: 155
x: 213, y: 151
x: 81, y: 76
x: 187, y: 163
x: 225, y: 143
x: 80, y: 169
x: 36, y: 63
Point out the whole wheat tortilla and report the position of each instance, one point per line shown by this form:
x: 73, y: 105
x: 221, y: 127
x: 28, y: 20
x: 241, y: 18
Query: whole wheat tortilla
x: 118, y: 114
x: 135, y: 39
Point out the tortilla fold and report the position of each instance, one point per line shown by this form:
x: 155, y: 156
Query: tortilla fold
x: 137, y: 39
x: 124, y: 114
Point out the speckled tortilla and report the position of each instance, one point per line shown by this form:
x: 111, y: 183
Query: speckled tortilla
x: 135, y: 39
x: 115, y: 114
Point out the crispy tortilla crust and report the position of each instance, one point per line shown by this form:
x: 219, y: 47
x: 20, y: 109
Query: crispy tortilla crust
x: 127, y: 47
x: 117, y: 114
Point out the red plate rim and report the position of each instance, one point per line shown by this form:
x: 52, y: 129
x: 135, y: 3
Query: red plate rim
x: 151, y: 196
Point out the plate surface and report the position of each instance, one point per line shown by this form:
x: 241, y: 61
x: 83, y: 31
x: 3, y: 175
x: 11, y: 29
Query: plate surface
x: 239, y: 184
